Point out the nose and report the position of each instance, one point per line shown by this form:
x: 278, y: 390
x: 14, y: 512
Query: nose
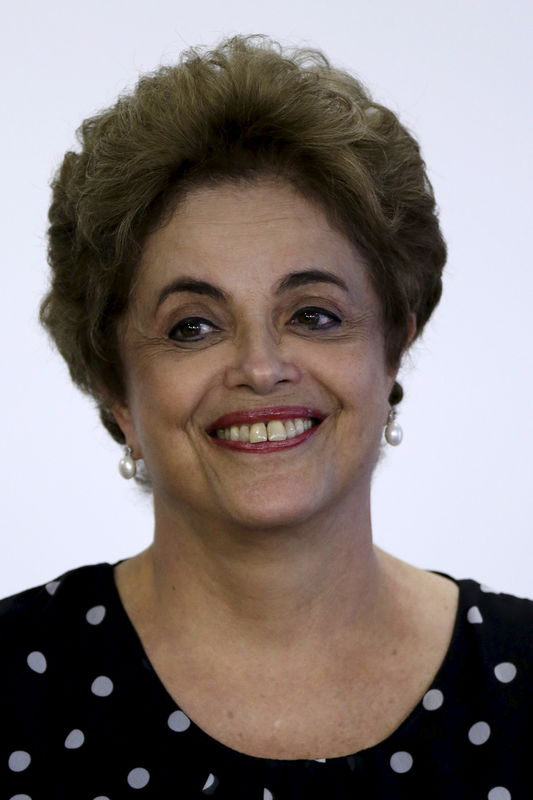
x: 259, y: 364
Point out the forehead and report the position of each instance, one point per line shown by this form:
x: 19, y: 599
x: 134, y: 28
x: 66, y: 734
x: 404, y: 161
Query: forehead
x: 234, y: 233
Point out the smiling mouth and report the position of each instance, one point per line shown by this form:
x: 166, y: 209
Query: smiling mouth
x: 275, y: 430
x: 265, y: 430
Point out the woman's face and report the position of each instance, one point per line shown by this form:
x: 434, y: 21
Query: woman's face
x: 251, y: 309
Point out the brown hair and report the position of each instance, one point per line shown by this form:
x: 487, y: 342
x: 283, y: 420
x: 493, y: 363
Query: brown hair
x: 247, y: 108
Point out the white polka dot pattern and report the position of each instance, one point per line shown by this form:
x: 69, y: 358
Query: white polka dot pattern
x: 433, y: 700
x: 19, y: 760
x: 178, y: 721
x: 95, y: 615
x: 479, y: 733
x: 474, y: 615
x: 505, y: 672
x: 37, y: 662
x: 138, y: 778
x: 74, y: 740
x: 401, y: 761
x: 79, y: 667
x: 499, y: 793
x: 102, y: 686
x: 209, y: 782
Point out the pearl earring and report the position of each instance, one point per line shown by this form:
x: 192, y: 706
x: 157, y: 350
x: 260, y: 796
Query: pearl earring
x: 393, y: 431
x: 127, y: 466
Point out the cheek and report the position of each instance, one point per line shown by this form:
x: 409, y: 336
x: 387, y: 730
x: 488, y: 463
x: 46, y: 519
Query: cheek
x: 361, y: 378
x: 164, y: 398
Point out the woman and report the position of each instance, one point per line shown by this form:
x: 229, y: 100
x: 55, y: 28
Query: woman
x: 241, y: 254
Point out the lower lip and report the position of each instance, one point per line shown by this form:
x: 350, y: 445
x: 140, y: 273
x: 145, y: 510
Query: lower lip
x: 265, y: 447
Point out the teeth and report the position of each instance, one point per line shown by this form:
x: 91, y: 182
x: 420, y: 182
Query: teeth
x: 274, y: 431
x: 258, y: 432
x: 290, y: 428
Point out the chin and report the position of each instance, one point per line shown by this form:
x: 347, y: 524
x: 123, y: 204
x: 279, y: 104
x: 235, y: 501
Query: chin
x: 278, y: 513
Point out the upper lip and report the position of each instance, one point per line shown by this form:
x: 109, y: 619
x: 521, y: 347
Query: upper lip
x: 251, y: 415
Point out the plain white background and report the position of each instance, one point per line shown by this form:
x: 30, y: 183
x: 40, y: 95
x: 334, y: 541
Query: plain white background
x: 456, y: 496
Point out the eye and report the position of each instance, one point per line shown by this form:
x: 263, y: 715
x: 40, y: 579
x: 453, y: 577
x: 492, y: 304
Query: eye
x: 191, y: 329
x: 315, y: 319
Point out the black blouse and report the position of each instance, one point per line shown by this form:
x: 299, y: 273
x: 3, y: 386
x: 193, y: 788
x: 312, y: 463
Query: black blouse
x: 85, y: 717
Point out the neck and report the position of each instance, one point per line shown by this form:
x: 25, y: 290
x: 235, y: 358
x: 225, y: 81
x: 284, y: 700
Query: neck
x: 279, y: 590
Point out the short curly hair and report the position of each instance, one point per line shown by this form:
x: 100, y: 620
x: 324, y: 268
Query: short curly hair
x: 245, y: 109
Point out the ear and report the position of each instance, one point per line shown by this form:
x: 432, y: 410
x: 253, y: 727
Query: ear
x: 124, y: 419
x: 411, y: 334
x: 411, y: 331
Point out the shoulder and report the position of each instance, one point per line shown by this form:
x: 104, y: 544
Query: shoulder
x: 505, y: 620
x: 48, y: 607
x: 49, y: 634
x: 494, y: 645
x: 507, y: 613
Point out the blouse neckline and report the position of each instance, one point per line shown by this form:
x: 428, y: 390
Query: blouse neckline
x: 133, y: 650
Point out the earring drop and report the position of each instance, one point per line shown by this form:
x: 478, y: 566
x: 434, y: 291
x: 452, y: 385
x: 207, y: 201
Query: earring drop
x: 127, y: 466
x: 393, y: 431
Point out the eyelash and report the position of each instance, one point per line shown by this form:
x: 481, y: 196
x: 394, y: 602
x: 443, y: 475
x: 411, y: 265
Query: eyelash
x: 311, y: 310
x: 320, y: 312
x: 196, y: 320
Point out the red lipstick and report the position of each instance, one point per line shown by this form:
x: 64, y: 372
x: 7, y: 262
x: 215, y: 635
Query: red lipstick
x: 254, y: 415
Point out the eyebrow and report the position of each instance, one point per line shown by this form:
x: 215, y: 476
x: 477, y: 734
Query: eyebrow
x: 296, y: 279
x: 187, y: 284
x: 291, y: 281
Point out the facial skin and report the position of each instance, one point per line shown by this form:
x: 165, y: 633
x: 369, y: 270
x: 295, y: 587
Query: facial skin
x: 262, y: 602
x: 254, y: 349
